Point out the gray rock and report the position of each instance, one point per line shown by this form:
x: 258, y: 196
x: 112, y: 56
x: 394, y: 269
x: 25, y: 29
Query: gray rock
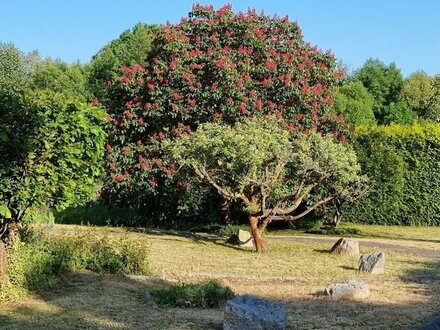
x: 348, y: 289
x: 253, y: 313
x: 243, y: 239
x: 346, y: 246
x: 372, y: 263
x: 434, y: 324
x: 148, y: 295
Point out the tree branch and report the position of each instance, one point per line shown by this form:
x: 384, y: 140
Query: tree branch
x: 296, y: 217
x: 286, y: 210
x: 203, y: 175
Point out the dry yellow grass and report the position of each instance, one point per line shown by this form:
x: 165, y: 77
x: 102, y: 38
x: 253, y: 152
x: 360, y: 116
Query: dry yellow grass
x: 406, y: 295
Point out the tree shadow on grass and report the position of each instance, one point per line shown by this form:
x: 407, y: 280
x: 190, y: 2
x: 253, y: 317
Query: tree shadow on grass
x: 325, y: 251
x: 199, y: 238
x: 85, y: 300
x: 90, y: 301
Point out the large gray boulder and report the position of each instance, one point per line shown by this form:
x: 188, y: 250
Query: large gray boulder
x: 373, y: 263
x: 253, y: 313
x: 346, y: 246
x: 243, y: 239
x: 348, y: 289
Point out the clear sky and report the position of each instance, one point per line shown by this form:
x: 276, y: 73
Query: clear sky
x: 404, y: 31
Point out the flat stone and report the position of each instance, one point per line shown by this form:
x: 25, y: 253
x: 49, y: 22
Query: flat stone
x: 434, y: 324
x: 373, y: 263
x: 254, y: 313
x: 348, y: 289
x: 243, y: 239
x: 346, y: 246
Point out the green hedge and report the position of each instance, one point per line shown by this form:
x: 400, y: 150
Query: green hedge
x: 403, y: 164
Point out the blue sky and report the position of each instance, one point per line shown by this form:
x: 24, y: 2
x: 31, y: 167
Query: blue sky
x: 404, y: 31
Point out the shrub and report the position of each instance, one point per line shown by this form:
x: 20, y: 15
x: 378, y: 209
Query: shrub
x: 35, y: 261
x: 99, y: 214
x: 210, y: 294
x: 51, y: 149
x: 403, y: 164
x: 100, y: 254
x: 29, y: 268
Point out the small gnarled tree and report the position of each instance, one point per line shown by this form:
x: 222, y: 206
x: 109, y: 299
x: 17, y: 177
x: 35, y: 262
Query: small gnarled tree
x: 271, y: 172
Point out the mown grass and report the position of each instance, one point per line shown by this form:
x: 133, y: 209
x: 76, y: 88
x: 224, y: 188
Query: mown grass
x: 405, y: 296
x: 412, y: 233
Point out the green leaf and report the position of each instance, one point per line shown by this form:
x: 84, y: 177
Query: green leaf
x: 3, y: 136
x: 5, y: 212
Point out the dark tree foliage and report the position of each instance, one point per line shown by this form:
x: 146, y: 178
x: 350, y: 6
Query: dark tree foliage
x: 385, y: 83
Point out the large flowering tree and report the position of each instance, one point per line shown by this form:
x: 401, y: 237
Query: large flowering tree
x: 214, y: 65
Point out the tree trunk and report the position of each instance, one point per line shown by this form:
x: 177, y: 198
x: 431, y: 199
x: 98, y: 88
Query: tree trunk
x: 337, y: 216
x: 337, y: 219
x: 225, y: 211
x: 11, y: 232
x: 6, y: 240
x: 259, y: 240
x: 3, y: 259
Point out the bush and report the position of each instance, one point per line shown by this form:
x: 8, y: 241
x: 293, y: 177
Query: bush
x: 51, y: 149
x: 402, y: 163
x: 205, y: 295
x: 38, y: 258
x: 98, y: 254
x: 29, y: 269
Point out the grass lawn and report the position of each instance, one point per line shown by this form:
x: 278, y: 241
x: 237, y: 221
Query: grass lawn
x: 410, y: 233
x: 404, y: 297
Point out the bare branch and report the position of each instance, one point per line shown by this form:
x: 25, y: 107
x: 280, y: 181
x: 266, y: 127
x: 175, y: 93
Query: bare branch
x: 310, y: 209
x: 278, y: 169
x: 277, y: 210
x: 263, y: 199
x: 203, y: 175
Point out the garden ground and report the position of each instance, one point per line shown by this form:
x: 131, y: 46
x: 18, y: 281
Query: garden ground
x: 295, y: 270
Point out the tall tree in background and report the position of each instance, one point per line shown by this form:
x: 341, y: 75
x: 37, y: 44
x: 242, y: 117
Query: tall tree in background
x: 60, y: 77
x: 356, y: 103
x: 384, y: 82
x: 422, y: 93
x: 131, y: 47
x: 214, y: 65
x: 15, y: 68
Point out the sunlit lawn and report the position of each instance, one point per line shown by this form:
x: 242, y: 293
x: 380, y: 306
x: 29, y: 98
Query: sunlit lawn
x: 402, y: 298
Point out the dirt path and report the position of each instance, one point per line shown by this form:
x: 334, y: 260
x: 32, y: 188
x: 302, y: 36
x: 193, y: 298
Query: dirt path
x: 419, y: 252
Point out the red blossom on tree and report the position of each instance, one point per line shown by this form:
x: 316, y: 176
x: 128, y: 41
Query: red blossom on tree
x: 222, y: 66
